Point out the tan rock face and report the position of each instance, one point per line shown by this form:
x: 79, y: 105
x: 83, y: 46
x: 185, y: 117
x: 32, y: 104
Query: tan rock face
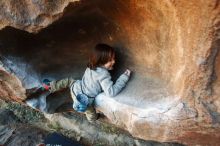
x: 11, y: 87
x: 31, y: 16
x: 171, y: 47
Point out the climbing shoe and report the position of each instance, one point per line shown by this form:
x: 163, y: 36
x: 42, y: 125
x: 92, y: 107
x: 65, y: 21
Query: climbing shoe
x: 37, y: 91
x: 46, y: 84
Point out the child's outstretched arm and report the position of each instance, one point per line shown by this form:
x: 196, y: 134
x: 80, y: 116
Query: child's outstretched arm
x: 111, y: 89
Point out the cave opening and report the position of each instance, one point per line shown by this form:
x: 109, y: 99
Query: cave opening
x: 138, y: 32
x: 171, y: 47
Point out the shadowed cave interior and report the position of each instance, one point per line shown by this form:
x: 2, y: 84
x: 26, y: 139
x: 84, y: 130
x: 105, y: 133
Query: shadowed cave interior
x: 61, y: 50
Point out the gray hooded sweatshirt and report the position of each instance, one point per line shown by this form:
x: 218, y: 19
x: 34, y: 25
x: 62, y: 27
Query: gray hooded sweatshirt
x: 98, y: 80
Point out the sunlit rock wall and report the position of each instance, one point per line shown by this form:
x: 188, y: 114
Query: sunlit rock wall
x: 171, y: 47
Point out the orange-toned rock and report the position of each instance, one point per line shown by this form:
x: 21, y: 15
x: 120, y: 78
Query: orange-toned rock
x: 10, y: 87
x: 171, y: 47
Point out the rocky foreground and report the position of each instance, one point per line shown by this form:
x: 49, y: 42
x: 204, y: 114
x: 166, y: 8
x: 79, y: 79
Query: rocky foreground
x: 171, y: 46
x: 23, y: 126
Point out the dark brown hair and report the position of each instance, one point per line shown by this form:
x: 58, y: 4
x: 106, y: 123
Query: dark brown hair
x: 101, y: 54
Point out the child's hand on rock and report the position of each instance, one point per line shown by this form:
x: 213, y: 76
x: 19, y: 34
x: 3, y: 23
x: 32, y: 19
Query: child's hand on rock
x: 127, y: 72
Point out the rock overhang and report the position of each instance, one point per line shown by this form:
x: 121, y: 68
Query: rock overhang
x: 155, y: 39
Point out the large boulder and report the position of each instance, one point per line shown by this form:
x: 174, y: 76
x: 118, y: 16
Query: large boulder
x: 171, y: 47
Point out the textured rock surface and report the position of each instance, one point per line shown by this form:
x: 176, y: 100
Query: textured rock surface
x: 11, y: 87
x: 22, y: 126
x: 172, y: 48
x: 14, y: 132
x: 29, y: 15
x: 99, y: 131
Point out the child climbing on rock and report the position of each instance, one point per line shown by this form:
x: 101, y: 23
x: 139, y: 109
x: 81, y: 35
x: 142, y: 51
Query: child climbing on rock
x: 95, y: 80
